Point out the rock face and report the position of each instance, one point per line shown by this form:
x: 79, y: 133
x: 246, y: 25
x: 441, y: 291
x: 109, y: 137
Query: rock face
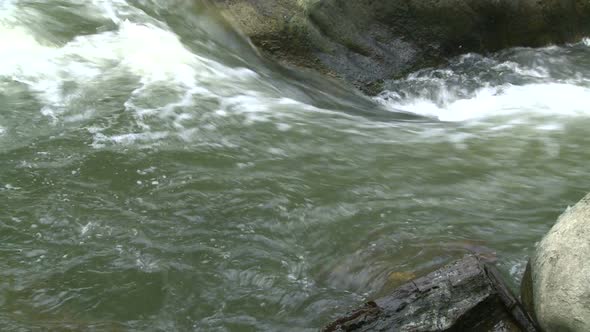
x: 366, y: 41
x: 467, y: 295
x: 557, y: 282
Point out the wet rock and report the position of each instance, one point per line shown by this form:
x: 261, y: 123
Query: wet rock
x: 467, y: 295
x: 366, y: 41
x: 556, y: 284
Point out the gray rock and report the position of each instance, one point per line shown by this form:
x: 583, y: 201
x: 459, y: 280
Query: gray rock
x: 366, y: 41
x: 466, y: 295
x: 556, y: 285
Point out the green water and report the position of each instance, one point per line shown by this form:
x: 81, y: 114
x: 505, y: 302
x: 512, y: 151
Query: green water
x: 157, y: 174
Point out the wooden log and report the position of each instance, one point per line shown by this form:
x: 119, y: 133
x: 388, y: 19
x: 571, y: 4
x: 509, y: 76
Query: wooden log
x: 467, y: 295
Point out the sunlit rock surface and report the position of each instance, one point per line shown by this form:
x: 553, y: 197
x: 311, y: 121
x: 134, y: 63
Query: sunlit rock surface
x: 557, y: 284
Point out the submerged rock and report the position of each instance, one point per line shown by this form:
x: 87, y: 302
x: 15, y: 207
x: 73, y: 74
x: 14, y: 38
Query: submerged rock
x: 467, y: 295
x: 556, y: 285
x: 366, y: 41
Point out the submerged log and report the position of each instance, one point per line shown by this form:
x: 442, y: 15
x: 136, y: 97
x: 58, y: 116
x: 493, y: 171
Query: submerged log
x: 467, y: 295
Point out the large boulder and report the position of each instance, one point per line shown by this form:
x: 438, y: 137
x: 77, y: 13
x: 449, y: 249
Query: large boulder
x: 556, y: 285
x: 366, y: 41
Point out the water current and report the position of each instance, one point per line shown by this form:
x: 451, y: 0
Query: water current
x: 158, y: 174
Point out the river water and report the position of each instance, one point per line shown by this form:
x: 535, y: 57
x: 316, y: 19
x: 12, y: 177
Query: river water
x: 157, y: 174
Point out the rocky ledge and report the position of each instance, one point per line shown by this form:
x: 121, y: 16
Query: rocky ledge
x: 367, y: 41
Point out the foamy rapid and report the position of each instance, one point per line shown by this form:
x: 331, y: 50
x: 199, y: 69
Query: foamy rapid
x: 511, y: 83
x: 135, y: 49
x: 154, y: 61
x: 139, y: 54
x: 531, y: 99
x: 172, y: 90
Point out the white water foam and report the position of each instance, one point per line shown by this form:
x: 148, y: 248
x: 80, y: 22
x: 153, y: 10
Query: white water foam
x: 523, y: 83
x: 537, y: 72
x: 7, y: 8
x: 141, y: 50
x: 115, y: 10
x: 146, y: 50
x: 172, y: 90
x: 545, y: 99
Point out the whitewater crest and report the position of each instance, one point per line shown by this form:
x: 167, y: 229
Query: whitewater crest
x: 522, y: 83
x: 142, y: 50
x: 140, y: 56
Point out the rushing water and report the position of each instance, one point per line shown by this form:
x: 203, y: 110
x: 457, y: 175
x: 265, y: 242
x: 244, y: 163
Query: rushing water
x: 157, y: 174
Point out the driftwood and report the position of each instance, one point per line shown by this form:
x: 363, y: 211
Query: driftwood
x: 467, y: 295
